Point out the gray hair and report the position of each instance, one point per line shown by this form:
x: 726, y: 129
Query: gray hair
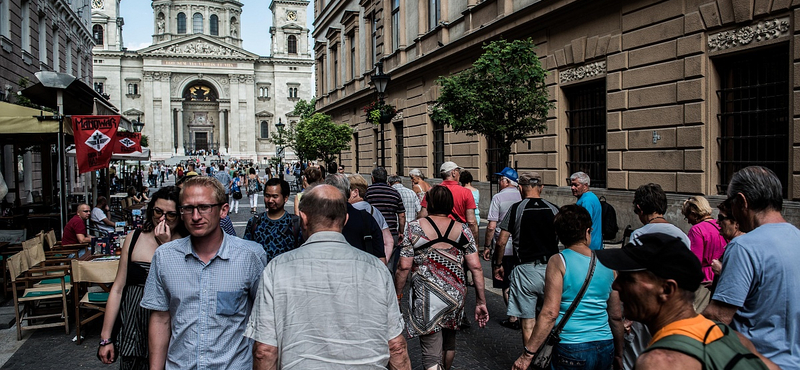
x: 512, y: 182
x: 760, y: 186
x: 582, y: 177
x: 415, y: 172
x: 339, y: 181
x: 394, y: 179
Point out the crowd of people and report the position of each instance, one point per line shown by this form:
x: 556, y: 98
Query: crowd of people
x: 360, y: 267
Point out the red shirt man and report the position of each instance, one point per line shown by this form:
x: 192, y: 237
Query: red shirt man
x: 463, y: 202
x: 75, y: 230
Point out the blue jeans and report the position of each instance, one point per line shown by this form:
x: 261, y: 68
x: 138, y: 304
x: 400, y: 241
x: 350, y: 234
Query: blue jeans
x: 597, y: 355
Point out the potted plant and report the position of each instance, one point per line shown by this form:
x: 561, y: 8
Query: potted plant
x: 378, y: 112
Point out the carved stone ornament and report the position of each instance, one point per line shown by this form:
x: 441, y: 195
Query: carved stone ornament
x: 199, y: 47
x: 584, y: 71
x: 398, y: 116
x: 762, y: 31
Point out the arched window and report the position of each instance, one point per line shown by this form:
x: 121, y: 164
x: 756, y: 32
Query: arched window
x: 214, y: 23
x: 264, y: 129
x: 181, y: 23
x: 133, y: 88
x: 97, y: 34
x: 292, y: 44
x: 197, y: 23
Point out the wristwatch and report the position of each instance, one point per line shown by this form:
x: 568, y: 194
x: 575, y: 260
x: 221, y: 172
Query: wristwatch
x: 497, y: 265
x: 105, y: 342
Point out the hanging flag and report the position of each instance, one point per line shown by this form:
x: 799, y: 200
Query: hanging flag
x: 93, y: 136
x: 127, y: 142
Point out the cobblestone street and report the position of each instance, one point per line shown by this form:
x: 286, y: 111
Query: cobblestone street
x: 493, y: 347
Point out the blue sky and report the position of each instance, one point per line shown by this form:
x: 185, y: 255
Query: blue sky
x: 256, y: 21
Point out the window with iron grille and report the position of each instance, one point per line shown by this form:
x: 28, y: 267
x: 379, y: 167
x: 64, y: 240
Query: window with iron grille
x: 754, y: 114
x: 494, y: 163
x: 181, y: 23
x: 355, y: 152
x: 214, y: 24
x: 438, y: 147
x: 399, y: 145
x: 264, y: 129
x: 291, y: 42
x: 586, y: 148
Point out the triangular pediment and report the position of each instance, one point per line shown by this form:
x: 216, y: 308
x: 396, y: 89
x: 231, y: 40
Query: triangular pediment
x: 197, y: 46
x: 263, y: 113
x: 133, y: 112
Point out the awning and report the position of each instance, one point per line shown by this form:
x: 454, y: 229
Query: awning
x: 16, y: 119
x: 78, y: 97
x: 144, y: 155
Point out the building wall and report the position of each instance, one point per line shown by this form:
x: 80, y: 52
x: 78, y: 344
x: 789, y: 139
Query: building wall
x: 64, y: 24
x: 659, y: 63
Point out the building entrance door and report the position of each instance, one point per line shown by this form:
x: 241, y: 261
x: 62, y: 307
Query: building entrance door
x: 201, y: 141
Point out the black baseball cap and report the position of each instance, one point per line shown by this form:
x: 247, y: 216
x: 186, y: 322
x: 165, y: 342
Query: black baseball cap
x: 666, y: 256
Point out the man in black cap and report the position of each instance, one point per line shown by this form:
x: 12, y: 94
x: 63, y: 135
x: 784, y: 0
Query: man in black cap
x: 656, y: 282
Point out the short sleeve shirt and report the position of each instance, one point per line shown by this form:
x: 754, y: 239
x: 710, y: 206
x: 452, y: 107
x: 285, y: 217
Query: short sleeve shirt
x: 223, y: 179
x: 410, y: 201
x: 386, y: 199
x: 362, y: 205
x: 75, y: 226
x: 97, y: 218
x: 462, y: 200
x: 501, y: 203
x: 340, y: 313
x: 272, y: 234
x: 592, y: 204
x: 761, y: 276
x: 208, y: 303
x: 536, y: 236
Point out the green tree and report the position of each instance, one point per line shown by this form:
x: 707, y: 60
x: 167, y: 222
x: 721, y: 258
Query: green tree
x: 286, y: 137
x: 502, y: 97
x: 319, y: 137
x: 305, y: 109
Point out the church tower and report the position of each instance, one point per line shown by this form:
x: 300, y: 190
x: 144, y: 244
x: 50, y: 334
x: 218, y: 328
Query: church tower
x: 289, y: 34
x: 106, y: 25
x: 175, y: 19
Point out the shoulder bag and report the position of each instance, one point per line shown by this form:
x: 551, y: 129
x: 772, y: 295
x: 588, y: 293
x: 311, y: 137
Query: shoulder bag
x: 545, y: 352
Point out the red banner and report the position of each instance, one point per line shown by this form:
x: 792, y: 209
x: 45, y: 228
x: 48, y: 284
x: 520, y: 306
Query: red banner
x: 93, y: 140
x: 127, y: 142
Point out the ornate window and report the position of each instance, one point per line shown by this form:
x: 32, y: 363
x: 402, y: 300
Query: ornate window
x: 133, y: 89
x: 181, y: 23
x: 587, y: 132
x: 97, y: 34
x: 98, y: 86
x: 199, y: 93
x: 197, y: 23
x: 291, y: 42
x: 264, y: 129
x: 214, y: 24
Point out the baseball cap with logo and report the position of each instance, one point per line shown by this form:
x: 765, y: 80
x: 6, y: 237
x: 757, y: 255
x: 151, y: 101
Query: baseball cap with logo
x: 448, y: 166
x: 509, y: 173
x: 530, y: 178
x: 666, y: 256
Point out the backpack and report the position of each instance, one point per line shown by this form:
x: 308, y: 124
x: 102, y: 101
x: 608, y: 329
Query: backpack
x: 293, y: 229
x: 727, y: 352
x: 610, y: 226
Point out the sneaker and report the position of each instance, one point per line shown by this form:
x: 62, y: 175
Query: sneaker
x: 510, y: 324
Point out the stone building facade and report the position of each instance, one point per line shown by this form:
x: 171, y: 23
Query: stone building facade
x: 195, y: 87
x: 43, y: 35
x: 677, y: 92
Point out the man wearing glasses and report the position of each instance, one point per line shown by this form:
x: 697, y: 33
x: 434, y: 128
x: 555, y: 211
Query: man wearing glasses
x: 201, y: 288
x: 75, y: 230
x: 757, y: 293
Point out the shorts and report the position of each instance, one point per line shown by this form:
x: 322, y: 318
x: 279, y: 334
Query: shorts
x: 526, y: 293
x: 508, y: 265
x: 434, y: 346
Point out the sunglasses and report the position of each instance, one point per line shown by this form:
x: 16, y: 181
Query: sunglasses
x: 721, y: 217
x: 158, y: 212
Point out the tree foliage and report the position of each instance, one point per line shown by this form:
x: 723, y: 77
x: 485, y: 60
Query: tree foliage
x: 305, y: 109
x: 319, y: 137
x: 286, y: 137
x: 502, y: 97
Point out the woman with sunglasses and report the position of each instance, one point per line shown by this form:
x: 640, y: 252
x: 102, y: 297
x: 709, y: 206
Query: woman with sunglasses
x: 129, y: 340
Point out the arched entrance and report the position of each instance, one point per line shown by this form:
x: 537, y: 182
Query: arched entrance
x: 200, y: 118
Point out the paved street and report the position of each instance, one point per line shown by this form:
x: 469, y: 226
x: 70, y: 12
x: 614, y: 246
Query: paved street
x: 493, y: 347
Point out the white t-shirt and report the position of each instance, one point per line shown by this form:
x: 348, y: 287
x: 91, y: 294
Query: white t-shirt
x: 97, y: 218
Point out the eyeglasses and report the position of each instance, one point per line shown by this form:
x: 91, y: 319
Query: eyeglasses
x: 158, y: 212
x: 202, y: 208
x: 721, y: 217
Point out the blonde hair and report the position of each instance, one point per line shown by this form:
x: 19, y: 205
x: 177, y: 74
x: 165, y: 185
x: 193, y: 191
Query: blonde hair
x: 357, y: 182
x: 697, y: 205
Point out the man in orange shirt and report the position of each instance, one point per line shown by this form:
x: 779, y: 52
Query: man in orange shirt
x: 656, y: 282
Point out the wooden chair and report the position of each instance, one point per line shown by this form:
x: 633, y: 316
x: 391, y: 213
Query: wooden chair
x: 38, y: 303
x: 57, y: 248
x: 84, y: 274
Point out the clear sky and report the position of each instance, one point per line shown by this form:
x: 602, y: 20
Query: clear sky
x: 256, y: 21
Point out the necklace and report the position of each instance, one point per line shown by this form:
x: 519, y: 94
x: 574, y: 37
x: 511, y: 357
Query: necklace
x: 655, y: 218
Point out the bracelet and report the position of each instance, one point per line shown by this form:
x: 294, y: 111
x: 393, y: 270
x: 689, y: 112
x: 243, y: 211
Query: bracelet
x: 528, y: 351
x: 399, y: 296
x: 105, y: 342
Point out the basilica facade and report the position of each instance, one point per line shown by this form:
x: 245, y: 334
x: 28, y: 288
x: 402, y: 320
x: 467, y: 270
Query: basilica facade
x: 195, y: 88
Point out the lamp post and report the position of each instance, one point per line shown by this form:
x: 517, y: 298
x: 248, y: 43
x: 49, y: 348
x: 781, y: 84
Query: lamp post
x: 280, y: 125
x: 138, y: 125
x: 381, y: 80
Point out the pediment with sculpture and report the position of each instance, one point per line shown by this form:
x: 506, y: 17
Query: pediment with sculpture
x: 199, y: 46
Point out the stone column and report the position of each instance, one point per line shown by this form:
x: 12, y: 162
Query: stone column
x: 181, y: 139
x: 222, y: 130
x: 235, y: 133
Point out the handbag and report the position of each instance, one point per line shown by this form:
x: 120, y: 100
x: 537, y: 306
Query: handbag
x: 545, y: 352
x: 237, y: 195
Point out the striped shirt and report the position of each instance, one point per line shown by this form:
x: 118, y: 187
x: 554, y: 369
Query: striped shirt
x: 387, y: 200
x: 208, y: 303
x: 410, y: 201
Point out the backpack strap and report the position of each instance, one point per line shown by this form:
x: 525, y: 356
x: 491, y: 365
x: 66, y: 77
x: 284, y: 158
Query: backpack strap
x: 254, y: 225
x: 294, y: 229
x: 701, y: 351
x: 366, y: 241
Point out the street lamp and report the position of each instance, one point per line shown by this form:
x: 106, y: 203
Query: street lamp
x: 280, y: 125
x: 381, y: 80
x: 138, y: 125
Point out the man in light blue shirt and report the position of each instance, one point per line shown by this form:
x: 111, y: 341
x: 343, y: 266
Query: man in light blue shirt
x: 579, y: 183
x: 758, y: 293
x: 201, y: 288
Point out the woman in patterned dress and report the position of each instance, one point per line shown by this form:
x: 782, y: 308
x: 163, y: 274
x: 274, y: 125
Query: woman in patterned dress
x: 435, y: 307
x: 162, y: 224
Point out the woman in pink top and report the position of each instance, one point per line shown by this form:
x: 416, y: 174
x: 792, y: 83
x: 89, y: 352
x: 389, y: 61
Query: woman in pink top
x: 706, y: 241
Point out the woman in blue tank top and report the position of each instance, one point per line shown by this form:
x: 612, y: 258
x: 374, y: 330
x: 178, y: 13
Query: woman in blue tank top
x: 592, y: 337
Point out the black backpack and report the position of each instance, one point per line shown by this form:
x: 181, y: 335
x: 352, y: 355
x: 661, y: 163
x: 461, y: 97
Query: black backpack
x: 610, y: 226
x: 726, y: 353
